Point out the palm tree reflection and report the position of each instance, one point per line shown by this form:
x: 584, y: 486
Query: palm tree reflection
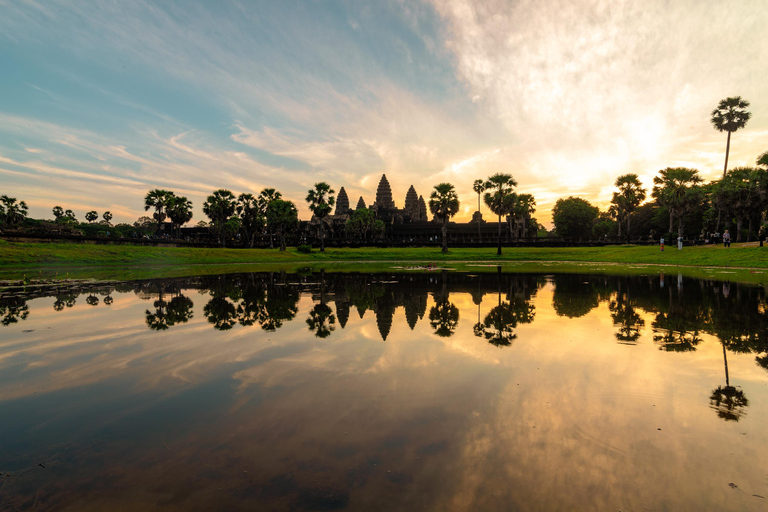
x: 13, y: 309
x: 444, y: 317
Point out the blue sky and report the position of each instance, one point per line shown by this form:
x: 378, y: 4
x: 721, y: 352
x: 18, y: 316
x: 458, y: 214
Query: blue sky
x: 102, y: 101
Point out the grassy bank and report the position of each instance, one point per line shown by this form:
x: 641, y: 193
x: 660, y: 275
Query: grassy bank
x: 125, y: 261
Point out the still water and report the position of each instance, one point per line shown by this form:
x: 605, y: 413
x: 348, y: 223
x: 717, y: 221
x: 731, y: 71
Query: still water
x: 418, y: 391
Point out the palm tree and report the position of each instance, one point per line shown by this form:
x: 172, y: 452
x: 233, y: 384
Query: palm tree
x: 763, y: 159
x: 179, y: 210
x: 501, y: 199
x: 107, y: 216
x: 525, y: 206
x: 444, y: 204
x: 479, y: 187
x: 266, y: 196
x: 58, y: 212
x: 321, y: 201
x: 631, y: 193
x: 157, y: 199
x: 219, y: 207
x: 91, y: 216
x: 678, y: 189
x: 729, y: 116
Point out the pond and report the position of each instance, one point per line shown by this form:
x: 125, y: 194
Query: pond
x: 420, y: 390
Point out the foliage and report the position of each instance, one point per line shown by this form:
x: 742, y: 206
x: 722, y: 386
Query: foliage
x: 91, y: 216
x: 252, y: 217
x: 501, y: 198
x: 179, y: 210
x: 631, y: 193
x: 12, y: 213
x: 304, y: 249
x: 158, y: 199
x: 266, y: 196
x: 573, y: 217
x: 321, y: 200
x: 361, y: 223
x: 107, y: 216
x: 283, y: 217
x: 444, y: 204
x: 219, y: 207
x: 679, y: 190
x: 730, y: 115
x: 58, y: 213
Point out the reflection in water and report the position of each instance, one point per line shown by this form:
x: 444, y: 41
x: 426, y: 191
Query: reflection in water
x: 13, y: 309
x: 240, y: 397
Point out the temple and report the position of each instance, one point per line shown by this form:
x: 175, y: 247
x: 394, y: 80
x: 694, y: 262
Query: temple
x: 411, y: 223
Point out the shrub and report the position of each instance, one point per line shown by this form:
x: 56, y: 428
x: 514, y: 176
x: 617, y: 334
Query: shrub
x: 306, y: 249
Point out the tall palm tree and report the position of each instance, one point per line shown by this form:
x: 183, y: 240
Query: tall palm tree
x: 501, y: 198
x: 266, y: 196
x: 525, y: 206
x: 444, y: 204
x: 729, y: 116
x: 251, y: 216
x: 763, y: 159
x: 158, y: 199
x: 479, y: 187
x: 321, y: 201
x: 631, y: 193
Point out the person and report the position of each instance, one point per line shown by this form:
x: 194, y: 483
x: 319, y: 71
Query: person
x: 662, y: 243
x: 716, y: 236
x: 726, y: 239
x: 679, y: 243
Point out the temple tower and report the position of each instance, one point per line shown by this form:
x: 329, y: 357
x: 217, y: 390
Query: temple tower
x: 360, y: 204
x: 422, y: 209
x: 412, y: 204
x: 342, y: 203
x: 384, y: 195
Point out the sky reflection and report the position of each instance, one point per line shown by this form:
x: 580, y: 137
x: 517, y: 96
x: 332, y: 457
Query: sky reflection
x: 426, y: 391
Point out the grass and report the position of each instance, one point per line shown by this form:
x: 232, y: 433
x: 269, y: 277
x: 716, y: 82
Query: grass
x: 56, y: 260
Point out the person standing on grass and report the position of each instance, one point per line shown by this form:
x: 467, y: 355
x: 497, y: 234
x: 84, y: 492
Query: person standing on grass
x: 679, y: 243
x: 716, y: 237
x: 726, y: 239
x: 662, y: 243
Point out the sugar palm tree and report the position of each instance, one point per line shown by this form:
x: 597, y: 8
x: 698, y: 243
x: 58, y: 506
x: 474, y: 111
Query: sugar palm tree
x: 11, y: 211
x: 444, y: 204
x: 107, y: 216
x: 219, y: 207
x: 266, y: 196
x: 678, y: 189
x: 631, y: 193
x: 763, y: 159
x: 501, y: 198
x: 479, y: 187
x: 730, y: 115
x: 157, y: 199
x: 321, y: 201
x: 179, y: 210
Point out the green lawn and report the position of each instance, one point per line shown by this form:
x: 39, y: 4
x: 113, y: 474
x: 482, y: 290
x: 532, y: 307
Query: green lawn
x: 18, y: 259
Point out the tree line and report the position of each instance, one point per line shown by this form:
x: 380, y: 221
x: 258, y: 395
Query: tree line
x: 680, y: 203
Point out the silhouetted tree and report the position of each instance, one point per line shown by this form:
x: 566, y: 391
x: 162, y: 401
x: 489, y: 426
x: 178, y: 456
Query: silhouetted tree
x: 321, y: 201
x: 444, y: 204
x: 730, y: 115
x: 501, y: 198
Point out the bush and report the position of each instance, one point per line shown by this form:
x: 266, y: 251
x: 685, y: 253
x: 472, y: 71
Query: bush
x: 306, y: 249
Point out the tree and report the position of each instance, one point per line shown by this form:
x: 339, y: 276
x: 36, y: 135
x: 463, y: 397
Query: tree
x: 444, y: 204
x: 479, y: 187
x: 69, y: 216
x: 573, y: 217
x: 157, y: 199
x: 283, y: 217
x: 730, y: 115
x: 631, y: 193
x: 58, y: 213
x: 252, y: 218
x: 91, y: 216
x: 501, y: 198
x: 12, y: 213
x: 266, y: 196
x: 523, y: 209
x: 740, y: 195
x: 763, y: 159
x: 444, y: 317
x: 179, y: 210
x: 219, y: 207
x: 360, y: 224
x: 678, y: 189
x: 107, y: 216
x: 320, y: 200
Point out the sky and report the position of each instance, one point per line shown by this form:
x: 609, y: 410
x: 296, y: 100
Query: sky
x: 101, y: 102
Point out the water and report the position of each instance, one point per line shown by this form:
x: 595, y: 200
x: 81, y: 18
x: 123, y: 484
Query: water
x: 419, y: 391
